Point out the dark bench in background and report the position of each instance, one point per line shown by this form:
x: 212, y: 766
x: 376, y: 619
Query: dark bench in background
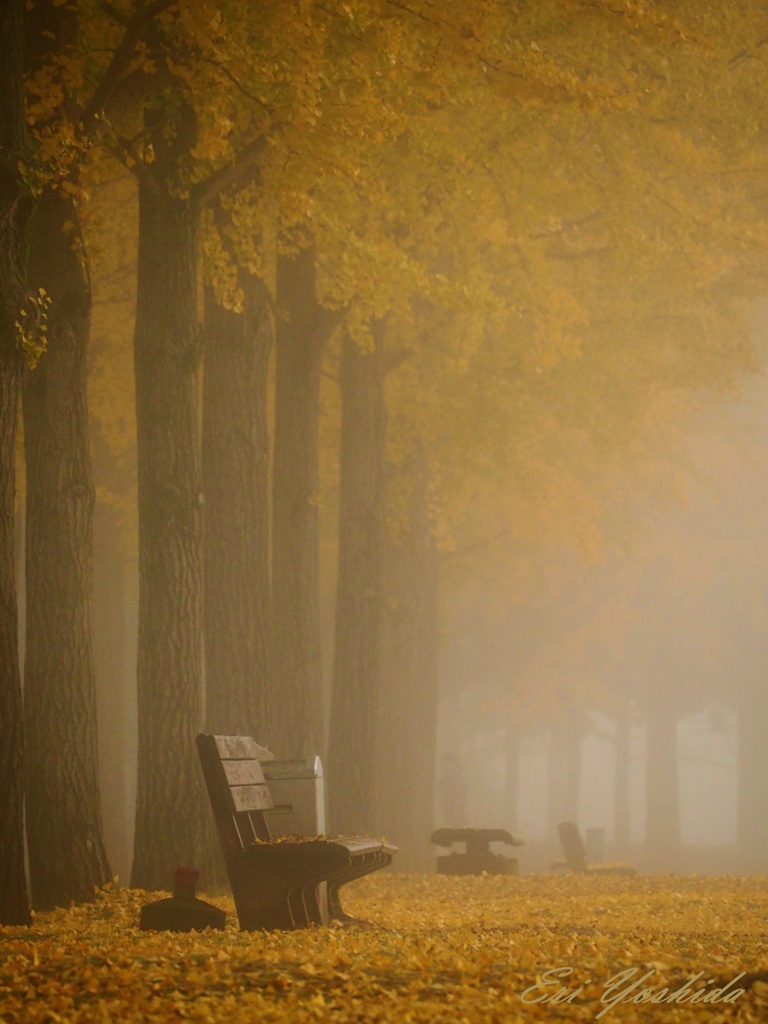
x: 576, y: 855
x: 274, y: 881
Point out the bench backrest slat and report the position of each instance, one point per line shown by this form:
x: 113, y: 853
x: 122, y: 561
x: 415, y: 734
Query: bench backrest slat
x: 241, y: 748
x: 243, y: 773
x: 238, y: 791
x: 251, y: 798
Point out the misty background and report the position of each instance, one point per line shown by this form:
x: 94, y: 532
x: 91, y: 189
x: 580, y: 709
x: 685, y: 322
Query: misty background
x: 544, y: 698
x: 549, y: 682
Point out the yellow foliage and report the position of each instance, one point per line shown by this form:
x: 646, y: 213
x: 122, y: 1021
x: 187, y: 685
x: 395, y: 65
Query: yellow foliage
x: 435, y: 949
x: 543, y: 199
x: 32, y: 325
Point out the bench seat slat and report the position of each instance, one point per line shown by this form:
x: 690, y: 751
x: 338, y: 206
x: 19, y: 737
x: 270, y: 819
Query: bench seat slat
x: 358, y: 844
x: 354, y: 846
x: 329, y: 855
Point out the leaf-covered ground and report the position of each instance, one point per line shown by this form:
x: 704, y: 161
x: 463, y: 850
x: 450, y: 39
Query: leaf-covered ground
x: 453, y: 950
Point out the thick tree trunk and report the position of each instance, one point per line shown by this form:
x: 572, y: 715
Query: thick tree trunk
x: 662, y: 800
x: 14, y: 907
x: 356, y: 662
x: 302, y: 329
x: 406, y: 723
x: 239, y: 696
x: 64, y: 833
x: 14, y: 215
x: 115, y: 688
x: 170, y: 799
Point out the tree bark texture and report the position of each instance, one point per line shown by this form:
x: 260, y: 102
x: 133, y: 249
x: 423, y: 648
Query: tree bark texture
x: 115, y: 688
x: 14, y: 906
x: 356, y: 662
x: 406, y: 721
x: 239, y: 696
x: 170, y: 798
x: 64, y: 832
x: 301, y: 331
x: 15, y: 210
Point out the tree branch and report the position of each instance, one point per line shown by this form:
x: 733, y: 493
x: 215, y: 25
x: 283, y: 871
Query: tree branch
x: 232, y: 173
x: 115, y: 74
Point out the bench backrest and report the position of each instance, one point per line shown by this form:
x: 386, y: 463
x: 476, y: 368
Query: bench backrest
x: 237, y: 789
x: 573, y: 846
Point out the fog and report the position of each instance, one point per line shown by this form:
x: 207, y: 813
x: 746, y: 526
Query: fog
x: 548, y: 699
x: 672, y: 623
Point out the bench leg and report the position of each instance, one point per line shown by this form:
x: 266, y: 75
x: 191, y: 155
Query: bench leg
x: 260, y: 916
x: 268, y: 900
x: 370, y: 862
x: 315, y: 903
x: 311, y: 904
x: 265, y: 900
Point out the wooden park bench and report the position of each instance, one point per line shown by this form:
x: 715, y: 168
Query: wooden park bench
x: 274, y: 881
x: 477, y: 856
x: 576, y: 855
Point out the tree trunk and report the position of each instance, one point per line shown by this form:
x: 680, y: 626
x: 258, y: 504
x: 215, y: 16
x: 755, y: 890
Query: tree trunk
x: 752, y: 762
x: 573, y: 736
x: 115, y: 689
x: 14, y: 906
x: 64, y: 833
x: 238, y: 632
x: 302, y: 329
x: 553, y: 801
x: 406, y: 723
x: 662, y: 815
x: 170, y: 799
x: 14, y: 215
x: 511, y: 775
x: 358, y: 590
x: 622, y: 794
x: 564, y: 770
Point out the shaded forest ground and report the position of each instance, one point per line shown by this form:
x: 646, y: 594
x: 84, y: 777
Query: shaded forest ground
x: 435, y: 949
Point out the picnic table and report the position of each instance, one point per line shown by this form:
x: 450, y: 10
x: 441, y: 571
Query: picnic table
x: 476, y: 856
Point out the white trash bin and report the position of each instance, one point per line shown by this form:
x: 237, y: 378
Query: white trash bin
x: 298, y: 792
